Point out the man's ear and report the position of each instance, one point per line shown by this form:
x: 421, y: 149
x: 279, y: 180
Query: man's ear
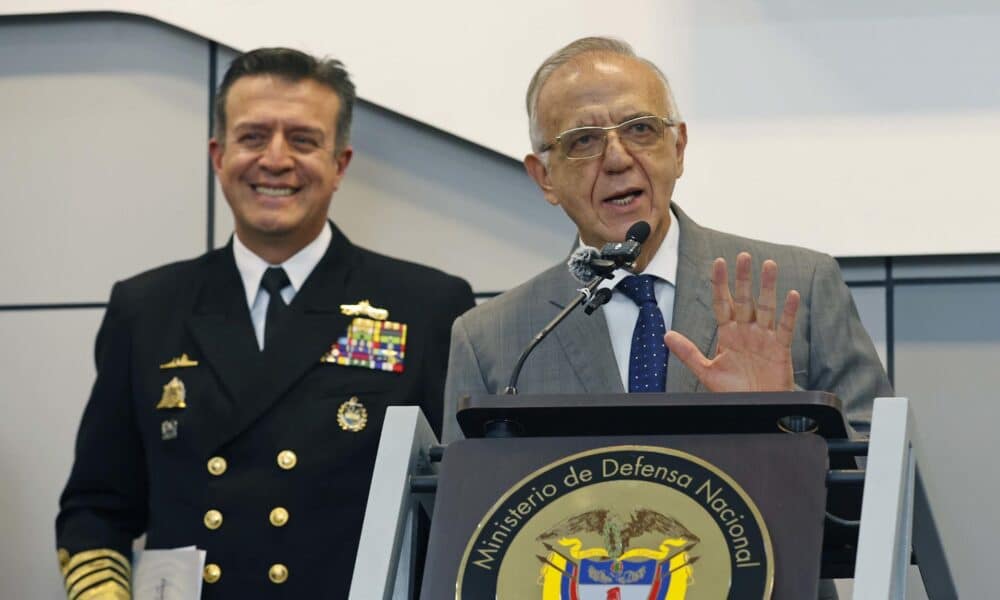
x: 342, y: 158
x: 538, y: 171
x: 215, y: 150
x: 680, y: 145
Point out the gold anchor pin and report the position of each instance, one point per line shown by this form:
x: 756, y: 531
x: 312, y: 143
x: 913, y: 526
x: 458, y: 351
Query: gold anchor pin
x: 173, y: 395
x: 180, y: 362
x: 364, y: 309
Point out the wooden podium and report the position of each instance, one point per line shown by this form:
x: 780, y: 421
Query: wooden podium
x: 778, y: 448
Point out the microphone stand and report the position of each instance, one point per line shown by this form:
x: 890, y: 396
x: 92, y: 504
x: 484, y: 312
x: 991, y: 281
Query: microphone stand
x: 613, y: 256
x: 585, y: 294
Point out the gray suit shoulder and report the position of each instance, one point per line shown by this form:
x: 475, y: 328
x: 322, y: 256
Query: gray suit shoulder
x: 513, y: 303
x: 728, y: 245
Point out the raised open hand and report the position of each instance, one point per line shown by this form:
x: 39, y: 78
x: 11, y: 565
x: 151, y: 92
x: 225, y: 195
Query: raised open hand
x: 753, y: 354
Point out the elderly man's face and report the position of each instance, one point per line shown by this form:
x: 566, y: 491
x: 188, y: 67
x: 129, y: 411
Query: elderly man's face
x: 605, y: 195
x: 277, y: 165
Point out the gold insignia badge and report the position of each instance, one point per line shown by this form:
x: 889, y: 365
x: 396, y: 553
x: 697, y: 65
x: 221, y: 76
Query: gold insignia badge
x: 352, y: 415
x: 180, y: 362
x: 364, y: 309
x: 173, y: 395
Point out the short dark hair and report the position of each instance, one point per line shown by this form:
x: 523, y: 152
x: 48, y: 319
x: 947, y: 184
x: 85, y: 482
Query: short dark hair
x: 293, y: 66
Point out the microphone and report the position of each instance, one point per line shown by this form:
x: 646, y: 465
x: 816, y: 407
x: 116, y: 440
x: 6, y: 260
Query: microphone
x: 579, y: 263
x: 586, y: 263
x: 624, y: 254
x: 589, y: 266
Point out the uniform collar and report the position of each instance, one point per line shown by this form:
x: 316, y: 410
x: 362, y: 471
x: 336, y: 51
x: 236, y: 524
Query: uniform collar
x: 298, y: 267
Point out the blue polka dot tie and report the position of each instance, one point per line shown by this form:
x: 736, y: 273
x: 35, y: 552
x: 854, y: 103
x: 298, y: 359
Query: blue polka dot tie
x: 647, y: 363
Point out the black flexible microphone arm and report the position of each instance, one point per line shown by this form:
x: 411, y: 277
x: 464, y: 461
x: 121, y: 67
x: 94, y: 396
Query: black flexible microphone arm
x: 585, y: 294
x: 613, y: 256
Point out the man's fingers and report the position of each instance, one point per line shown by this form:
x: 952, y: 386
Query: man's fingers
x: 722, y: 301
x: 743, y: 309
x: 686, y: 351
x: 768, y: 299
x: 786, y: 328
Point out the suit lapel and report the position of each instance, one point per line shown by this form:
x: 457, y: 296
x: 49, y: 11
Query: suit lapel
x: 692, y: 314
x: 221, y: 327
x: 584, y: 339
x: 257, y: 380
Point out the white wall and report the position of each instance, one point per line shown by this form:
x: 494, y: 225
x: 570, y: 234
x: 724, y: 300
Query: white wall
x: 843, y: 126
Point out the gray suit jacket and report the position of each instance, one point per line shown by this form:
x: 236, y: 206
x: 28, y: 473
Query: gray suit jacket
x: 831, y: 350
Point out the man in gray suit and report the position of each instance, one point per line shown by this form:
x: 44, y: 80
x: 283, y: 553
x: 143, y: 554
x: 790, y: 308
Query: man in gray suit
x: 608, y: 146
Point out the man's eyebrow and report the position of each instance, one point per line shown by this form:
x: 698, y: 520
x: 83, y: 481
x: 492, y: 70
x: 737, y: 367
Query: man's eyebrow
x: 635, y: 115
x: 250, y: 125
x: 589, y: 121
x: 307, y: 129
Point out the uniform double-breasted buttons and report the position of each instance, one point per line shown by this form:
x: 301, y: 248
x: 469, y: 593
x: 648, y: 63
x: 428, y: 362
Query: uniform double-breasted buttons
x: 213, y: 519
x: 217, y: 465
x: 212, y: 573
x: 278, y: 573
x: 287, y: 460
x: 279, y: 517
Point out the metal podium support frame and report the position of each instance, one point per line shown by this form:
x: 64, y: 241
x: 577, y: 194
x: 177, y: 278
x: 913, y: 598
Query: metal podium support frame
x: 884, y: 540
x: 383, y: 569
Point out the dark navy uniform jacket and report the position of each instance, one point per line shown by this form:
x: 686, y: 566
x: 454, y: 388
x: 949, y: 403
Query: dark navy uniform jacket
x: 271, y: 417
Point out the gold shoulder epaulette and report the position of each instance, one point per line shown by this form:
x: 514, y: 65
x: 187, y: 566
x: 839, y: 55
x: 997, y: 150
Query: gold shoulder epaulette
x: 96, y: 574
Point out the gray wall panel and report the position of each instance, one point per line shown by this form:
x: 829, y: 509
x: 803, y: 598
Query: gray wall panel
x: 101, y: 117
x: 46, y: 370
x: 947, y: 349
x: 947, y: 266
x: 871, y: 307
x: 862, y: 269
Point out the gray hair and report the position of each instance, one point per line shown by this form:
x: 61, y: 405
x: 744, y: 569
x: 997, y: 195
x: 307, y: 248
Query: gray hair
x: 567, y: 53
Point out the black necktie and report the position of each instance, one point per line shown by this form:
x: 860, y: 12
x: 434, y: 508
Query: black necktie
x: 275, y: 279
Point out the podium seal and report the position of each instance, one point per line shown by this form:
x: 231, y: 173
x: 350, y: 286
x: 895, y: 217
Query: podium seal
x: 621, y: 523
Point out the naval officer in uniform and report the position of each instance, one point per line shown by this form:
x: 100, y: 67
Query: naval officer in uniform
x: 240, y: 395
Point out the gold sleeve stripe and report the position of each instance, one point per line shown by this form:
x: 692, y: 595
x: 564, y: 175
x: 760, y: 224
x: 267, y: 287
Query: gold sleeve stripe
x: 95, y: 579
x: 81, y: 558
x: 95, y: 566
x: 109, y: 590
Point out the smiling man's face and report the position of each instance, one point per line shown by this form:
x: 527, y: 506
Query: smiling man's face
x: 278, y: 165
x: 606, y: 194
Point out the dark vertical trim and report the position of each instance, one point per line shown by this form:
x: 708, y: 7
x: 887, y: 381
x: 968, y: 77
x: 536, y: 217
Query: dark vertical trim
x: 890, y: 321
x: 213, y: 67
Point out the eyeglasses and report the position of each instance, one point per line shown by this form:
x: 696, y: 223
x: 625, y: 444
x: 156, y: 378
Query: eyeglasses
x: 590, y: 142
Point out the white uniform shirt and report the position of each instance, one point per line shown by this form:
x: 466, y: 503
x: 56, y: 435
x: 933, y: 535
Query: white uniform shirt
x: 298, y: 268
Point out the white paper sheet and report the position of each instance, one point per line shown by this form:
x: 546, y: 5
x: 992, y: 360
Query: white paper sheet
x: 168, y: 574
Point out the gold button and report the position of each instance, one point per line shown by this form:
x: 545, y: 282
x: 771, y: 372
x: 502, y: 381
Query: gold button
x: 213, y: 519
x: 287, y: 459
x: 212, y: 573
x: 279, y: 516
x: 217, y: 465
x: 278, y: 573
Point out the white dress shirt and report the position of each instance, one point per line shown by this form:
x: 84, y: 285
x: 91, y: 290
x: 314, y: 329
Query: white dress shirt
x: 298, y: 268
x: 621, y: 312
